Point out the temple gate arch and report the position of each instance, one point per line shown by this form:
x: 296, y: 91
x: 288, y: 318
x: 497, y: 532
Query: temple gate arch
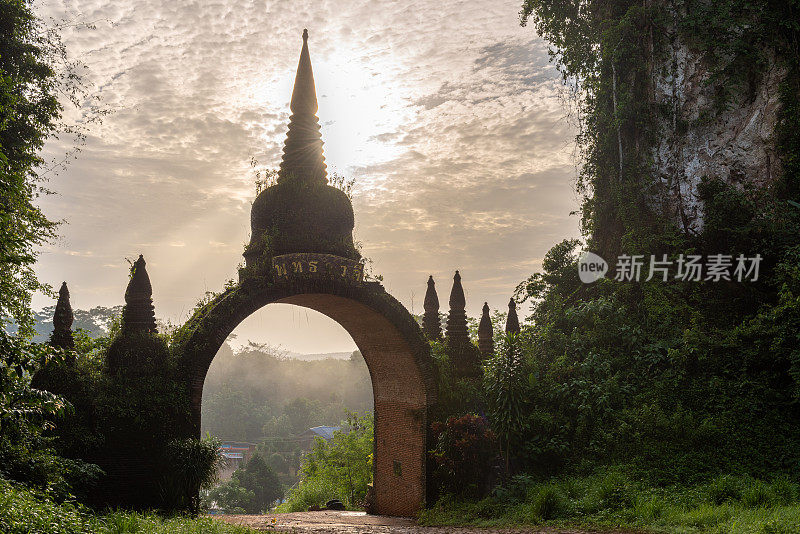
x: 301, y: 252
x: 394, y: 350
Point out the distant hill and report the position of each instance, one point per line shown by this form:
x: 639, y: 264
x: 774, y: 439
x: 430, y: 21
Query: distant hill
x: 95, y: 321
x: 257, y: 391
x: 319, y: 356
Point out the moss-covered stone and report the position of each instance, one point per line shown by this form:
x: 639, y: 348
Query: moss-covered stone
x: 299, y: 217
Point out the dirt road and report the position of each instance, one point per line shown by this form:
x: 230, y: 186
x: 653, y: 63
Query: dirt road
x: 330, y: 522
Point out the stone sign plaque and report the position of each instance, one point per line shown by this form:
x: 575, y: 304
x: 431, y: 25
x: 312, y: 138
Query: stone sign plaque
x: 317, y: 266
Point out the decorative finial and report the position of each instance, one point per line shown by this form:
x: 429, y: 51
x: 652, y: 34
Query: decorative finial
x: 485, y: 333
x: 303, y: 160
x: 138, y: 315
x: 512, y: 322
x: 465, y: 358
x: 457, y: 332
x: 431, y: 323
x: 62, y: 321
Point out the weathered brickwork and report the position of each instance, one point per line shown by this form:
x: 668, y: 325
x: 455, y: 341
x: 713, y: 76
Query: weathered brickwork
x: 395, y: 352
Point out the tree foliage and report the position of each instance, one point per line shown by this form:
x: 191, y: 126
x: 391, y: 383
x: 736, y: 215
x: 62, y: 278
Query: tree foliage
x: 337, y: 469
x: 253, y: 489
x: 31, y: 81
x: 464, y: 454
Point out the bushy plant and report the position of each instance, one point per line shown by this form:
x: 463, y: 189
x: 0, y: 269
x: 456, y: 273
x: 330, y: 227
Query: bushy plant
x: 189, y: 465
x: 465, y: 454
x: 309, y: 492
x: 549, y: 503
x: 24, y: 511
x: 337, y: 469
x: 506, y: 390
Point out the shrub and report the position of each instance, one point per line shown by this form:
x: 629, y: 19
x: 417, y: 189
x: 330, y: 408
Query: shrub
x: 310, y: 492
x: 190, y: 464
x: 724, y: 488
x: 549, y: 503
x: 614, y: 491
x: 337, y: 469
x: 466, y: 450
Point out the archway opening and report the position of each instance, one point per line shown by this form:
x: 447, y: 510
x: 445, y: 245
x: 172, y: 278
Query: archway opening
x: 286, y: 376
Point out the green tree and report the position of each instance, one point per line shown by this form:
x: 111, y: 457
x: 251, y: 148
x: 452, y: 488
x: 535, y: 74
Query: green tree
x: 230, y: 497
x: 506, y: 393
x: 29, y: 113
x: 302, y: 414
x: 253, y: 488
x: 340, y: 468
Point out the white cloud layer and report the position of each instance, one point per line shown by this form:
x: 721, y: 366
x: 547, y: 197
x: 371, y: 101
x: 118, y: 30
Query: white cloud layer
x: 447, y: 113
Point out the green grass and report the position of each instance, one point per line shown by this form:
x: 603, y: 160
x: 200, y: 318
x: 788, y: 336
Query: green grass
x: 724, y: 505
x: 311, y: 491
x: 23, y: 511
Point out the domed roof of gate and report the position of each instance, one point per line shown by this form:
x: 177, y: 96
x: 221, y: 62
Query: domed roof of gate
x: 301, y: 212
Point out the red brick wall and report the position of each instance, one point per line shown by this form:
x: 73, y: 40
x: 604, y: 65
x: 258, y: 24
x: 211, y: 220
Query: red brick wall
x: 396, y: 353
x: 400, y: 401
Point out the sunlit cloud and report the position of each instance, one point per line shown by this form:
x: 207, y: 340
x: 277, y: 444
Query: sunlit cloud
x: 447, y: 114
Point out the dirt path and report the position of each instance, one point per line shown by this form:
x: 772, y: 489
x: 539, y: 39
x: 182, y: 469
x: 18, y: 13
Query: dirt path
x: 330, y: 522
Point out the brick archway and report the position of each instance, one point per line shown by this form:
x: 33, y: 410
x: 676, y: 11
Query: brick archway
x: 393, y: 347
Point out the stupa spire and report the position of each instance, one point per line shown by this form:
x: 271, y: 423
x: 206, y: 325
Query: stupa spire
x: 512, y: 322
x: 465, y: 358
x: 457, y: 318
x: 431, y: 323
x: 303, y: 160
x: 485, y: 333
x: 138, y: 315
x: 62, y: 321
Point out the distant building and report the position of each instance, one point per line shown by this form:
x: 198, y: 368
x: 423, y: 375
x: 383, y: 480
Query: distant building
x: 236, y: 454
x: 308, y: 437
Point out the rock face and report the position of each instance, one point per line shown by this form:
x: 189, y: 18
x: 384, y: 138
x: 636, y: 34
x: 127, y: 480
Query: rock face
x: 62, y: 321
x: 301, y: 213
x: 431, y: 323
x: 138, y: 315
x: 485, y: 333
x: 735, y: 145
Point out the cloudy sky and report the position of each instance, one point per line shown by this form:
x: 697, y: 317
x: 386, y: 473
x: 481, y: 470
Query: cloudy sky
x: 446, y: 113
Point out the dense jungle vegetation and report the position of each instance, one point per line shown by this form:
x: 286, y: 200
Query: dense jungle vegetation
x: 667, y: 405
x: 40, y: 477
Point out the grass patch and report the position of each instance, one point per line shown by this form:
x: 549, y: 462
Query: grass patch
x: 23, y: 511
x: 309, y: 492
x: 725, y: 505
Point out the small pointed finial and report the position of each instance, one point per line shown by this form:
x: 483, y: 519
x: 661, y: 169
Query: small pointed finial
x: 485, y: 333
x: 457, y: 299
x: 431, y: 323
x: 138, y: 315
x: 457, y: 318
x: 512, y: 322
x: 62, y: 321
x: 303, y: 160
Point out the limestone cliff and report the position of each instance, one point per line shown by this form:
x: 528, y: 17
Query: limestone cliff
x: 735, y: 144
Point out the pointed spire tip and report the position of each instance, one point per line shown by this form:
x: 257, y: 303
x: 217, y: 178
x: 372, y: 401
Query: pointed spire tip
x: 305, y: 34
